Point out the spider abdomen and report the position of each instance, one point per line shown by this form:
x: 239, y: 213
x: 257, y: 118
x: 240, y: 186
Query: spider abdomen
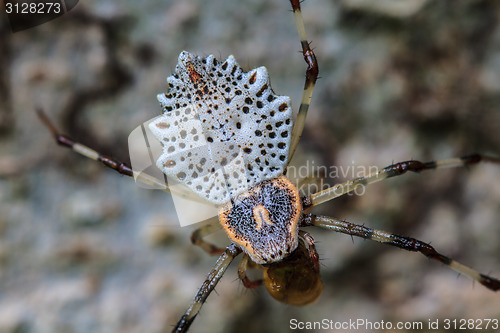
x: 223, y: 130
x: 264, y: 220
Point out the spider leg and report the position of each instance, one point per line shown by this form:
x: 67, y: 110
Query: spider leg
x: 311, y: 181
x: 393, y: 170
x: 197, y: 236
x: 311, y: 76
x: 405, y: 243
x: 313, y: 253
x: 242, y: 273
x: 206, y: 288
x: 88, y: 152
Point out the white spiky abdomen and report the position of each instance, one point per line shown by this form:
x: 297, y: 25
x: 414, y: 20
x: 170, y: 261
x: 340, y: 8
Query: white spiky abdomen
x: 223, y: 130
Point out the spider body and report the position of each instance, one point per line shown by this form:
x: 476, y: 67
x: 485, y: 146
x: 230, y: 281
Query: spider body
x: 229, y: 139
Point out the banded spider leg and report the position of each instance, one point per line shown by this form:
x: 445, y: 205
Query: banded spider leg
x: 406, y: 243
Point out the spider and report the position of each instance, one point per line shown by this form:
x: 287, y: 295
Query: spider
x: 263, y: 221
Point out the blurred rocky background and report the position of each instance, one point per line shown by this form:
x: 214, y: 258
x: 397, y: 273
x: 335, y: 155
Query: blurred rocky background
x: 83, y: 249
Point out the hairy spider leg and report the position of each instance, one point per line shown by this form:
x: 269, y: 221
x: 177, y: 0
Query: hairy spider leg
x: 313, y: 253
x: 405, y: 243
x: 393, y: 170
x: 110, y: 162
x: 245, y: 263
x: 197, y: 236
x: 311, y: 76
x: 206, y: 288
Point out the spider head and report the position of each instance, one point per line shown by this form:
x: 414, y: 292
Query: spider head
x: 264, y: 220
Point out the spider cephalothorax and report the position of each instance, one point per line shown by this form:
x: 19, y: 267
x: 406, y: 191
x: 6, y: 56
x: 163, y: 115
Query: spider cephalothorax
x: 264, y: 220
